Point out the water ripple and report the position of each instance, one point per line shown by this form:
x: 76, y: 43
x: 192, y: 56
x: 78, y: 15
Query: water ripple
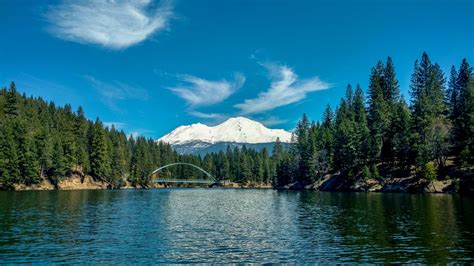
x: 230, y: 226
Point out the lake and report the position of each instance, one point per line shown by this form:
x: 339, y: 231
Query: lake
x: 233, y: 225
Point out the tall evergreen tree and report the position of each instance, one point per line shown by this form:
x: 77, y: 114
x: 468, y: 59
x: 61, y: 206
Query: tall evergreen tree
x: 9, y: 170
x: 59, y: 164
x: 11, y: 102
x: 303, y: 146
x: 461, y: 116
x: 27, y: 160
x: 401, y: 136
x: 99, y: 156
x: 378, y: 110
x: 362, y: 133
x: 428, y: 109
x: 81, y: 127
x: 344, y: 142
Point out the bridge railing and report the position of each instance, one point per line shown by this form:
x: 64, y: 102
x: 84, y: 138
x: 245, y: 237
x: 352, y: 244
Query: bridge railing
x: 211, y: 177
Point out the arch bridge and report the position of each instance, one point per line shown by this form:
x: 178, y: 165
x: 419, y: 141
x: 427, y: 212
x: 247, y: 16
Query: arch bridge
x: 211, y: 179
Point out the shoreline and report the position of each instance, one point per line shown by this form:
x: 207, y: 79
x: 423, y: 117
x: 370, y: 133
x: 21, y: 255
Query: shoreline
x: 330, y: 183
x: 77, y: 182
x: 410, y: 185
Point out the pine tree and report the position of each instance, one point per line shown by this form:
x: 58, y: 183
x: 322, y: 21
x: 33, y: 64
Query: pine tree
x: 345, y: 142
x: 244, y: 165
x: 267, y: 172
x: 99, y: 156
x: 428, y: 110
x: 391, y: 93
x: 362, y: 133
x: 141, y: 164
x: 59, y: 164
x: 28, y: 163
x: 378, y: 110
x: 303, y: 146
x: 470, y: 121
x: 462, y: 115
x: 81, y: 127
x: 11, y: 102
x: 118, y: 162
x: 44, y: 151
x: 285, y: 170
x: 452, y: 93
x: 401, y: 136
x: 326, y: 149
x: 9, y: 170
x: 68, y: 139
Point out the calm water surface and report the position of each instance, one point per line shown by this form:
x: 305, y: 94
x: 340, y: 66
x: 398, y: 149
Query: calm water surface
x: 233, y: 225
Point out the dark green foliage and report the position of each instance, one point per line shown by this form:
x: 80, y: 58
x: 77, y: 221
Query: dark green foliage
x: 384, y: 96
x: 9, y: 170
x: 141, y: 164
x: 11, y: 102
x: 99, y: 157
x: 401, y: 136
x: 27, y: 161
x: 59, y: 164
x: 430, y: 126
x: 387, y: 138
x: 42, y: 141
x: 303, y: 147
x: 377, y: 138
x: 378, y: 111
x: 428, y: 171
x: 461, y: 110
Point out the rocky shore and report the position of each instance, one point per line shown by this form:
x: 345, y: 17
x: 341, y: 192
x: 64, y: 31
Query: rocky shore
x: 75, y: 182
x: 334, y: 183
x: 78, y: 182
x: 397, y: 185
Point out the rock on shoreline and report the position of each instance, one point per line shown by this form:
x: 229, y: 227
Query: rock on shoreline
x: 400, y: 185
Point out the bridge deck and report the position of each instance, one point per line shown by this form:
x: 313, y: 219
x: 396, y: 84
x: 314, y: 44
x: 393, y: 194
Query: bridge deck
x: 194, y: 181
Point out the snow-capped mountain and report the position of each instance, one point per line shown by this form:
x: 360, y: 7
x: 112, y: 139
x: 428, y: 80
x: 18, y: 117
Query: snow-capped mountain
x: 238, y: 131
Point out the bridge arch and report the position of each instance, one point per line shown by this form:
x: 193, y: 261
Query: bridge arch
x: 189, y: 164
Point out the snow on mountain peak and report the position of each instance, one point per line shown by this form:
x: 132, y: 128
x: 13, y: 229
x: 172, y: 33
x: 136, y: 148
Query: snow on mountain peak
x: 236, y: 129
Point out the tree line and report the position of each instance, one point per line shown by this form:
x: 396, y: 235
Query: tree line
x: 383, y: 136
x: 377, y: 137
x: 42, y: 141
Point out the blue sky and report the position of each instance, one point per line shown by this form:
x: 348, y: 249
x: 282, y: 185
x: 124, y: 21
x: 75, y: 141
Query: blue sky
x: 150, y: 66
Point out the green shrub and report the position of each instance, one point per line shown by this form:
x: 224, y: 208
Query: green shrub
x: 464, y: 157
x: 429, y: 171
x: 366, y: 173
x: 375, y: 172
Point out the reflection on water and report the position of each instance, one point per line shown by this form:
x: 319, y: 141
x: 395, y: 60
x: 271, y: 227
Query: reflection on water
x: 226, y: 225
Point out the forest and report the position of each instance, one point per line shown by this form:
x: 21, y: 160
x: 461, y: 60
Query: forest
x: 378, y: 136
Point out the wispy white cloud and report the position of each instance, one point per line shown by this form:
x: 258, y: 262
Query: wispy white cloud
x: 272, y: 121
x: 115, y: 24
x: 116, y: 125
x: 201, y: 92
x: 286, y: 88
x: 116, y: 91
x: 206, y: 115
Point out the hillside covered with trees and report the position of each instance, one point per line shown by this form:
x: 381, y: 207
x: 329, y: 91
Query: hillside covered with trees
x: 375, y: 137
x: 42, y: 141
x: 383, y: 136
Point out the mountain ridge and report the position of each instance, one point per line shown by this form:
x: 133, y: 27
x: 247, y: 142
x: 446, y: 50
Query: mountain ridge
x: 237, y: 130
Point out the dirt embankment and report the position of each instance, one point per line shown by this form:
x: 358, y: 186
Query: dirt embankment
x: 76, y: 182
